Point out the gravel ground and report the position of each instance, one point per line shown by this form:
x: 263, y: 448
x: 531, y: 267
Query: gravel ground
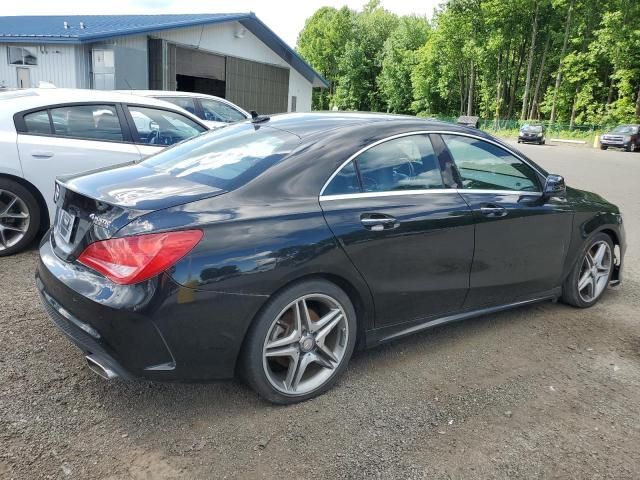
x: 545, y: 391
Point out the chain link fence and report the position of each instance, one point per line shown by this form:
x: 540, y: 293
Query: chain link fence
x: 506, y: 127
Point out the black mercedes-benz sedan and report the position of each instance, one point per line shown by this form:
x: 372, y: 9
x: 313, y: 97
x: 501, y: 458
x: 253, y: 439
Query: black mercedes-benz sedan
x: 272, y: 248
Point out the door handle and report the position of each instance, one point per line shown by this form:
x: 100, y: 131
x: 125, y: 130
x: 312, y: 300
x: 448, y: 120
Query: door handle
x: 378, y: 221
x: 493, y: 211
x: 39, y: 154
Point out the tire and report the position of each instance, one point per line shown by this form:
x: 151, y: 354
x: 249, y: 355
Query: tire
x: 632, y: 147
x: 20, y: 202
x: 270, y: 376
x: 572, y: 294
x: 603, y: 147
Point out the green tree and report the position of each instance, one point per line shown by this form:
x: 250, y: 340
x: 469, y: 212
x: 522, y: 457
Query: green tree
x: 570, y: 61
x: 322, y: 42
x: 399, y: 57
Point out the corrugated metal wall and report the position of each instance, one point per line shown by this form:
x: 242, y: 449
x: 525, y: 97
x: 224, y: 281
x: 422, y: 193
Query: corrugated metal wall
x: 56, y: 64
x: 257, y: 86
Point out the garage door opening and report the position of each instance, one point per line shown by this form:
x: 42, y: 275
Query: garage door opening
x: 209, y: 86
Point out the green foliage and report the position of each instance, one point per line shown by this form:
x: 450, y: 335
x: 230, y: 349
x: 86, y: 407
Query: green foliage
x: 399, y: 58
x: 579, y: 59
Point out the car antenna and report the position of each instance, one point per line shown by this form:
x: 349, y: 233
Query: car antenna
x: 255, y: 118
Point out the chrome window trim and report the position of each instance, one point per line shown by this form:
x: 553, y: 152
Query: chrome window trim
x: 392, y: 193
x: 425, y: 132
x: 499, y: 192
x: 426, y: 191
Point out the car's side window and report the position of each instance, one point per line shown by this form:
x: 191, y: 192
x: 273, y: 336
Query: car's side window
x: 220, y: 112
x: 405, y: 163
x: 345, y: 182
x: 183, y: 102
x: 485, y: 166
x: 38, y: 123
x: 162, y: 127
x: 87, y: 122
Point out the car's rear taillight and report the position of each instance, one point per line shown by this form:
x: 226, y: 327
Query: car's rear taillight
x: 130, y: 260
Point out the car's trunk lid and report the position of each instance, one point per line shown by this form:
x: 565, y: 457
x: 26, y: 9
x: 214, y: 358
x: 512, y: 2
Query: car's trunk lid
x: 95, y: 206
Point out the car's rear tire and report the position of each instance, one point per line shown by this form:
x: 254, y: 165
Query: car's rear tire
x: 603, y: 147
x: 591, y: 274
x: 19, y: 217
x: 293, y: 353
x: 632, y: 147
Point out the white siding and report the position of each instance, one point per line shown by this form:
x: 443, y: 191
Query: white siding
x: 221, y: 39
x: 56, y: 64
x: 299, y: 87
x: 137, y: 42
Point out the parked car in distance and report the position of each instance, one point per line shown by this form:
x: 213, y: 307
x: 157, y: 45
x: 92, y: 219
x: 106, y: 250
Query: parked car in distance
x: 532, y: 134
x: 49, y: 132
x: 274, y: 247
x: 214, y: 111
x: 623, y: 136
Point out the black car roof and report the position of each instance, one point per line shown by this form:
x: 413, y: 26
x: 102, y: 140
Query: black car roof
x: 308, y: 124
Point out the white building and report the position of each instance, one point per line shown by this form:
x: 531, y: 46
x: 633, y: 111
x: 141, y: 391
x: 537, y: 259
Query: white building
x: 234, y: 56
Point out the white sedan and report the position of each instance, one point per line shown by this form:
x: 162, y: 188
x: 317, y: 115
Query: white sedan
x: 213, y: 111
x: 45, y: 133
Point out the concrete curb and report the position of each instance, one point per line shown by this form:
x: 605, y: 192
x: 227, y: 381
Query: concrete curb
x: 562, y: 140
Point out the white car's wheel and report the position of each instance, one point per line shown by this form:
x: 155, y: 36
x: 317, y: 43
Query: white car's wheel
x: 19, y: 217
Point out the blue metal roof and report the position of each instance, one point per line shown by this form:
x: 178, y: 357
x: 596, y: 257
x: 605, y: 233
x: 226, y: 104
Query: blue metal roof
x: 92, y: 28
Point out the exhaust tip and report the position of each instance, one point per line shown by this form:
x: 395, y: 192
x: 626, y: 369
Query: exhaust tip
x: 99, y: 368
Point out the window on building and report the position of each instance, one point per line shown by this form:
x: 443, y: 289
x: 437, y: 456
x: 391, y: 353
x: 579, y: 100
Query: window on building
x: 22, y: 56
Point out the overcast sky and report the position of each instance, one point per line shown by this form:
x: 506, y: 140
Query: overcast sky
x: 285, y: 17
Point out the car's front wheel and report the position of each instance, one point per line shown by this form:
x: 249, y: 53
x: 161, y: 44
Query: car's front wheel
x: 603, y: 147
x: 591, y: 274
x: 300, y: 343
x: 19, y: 217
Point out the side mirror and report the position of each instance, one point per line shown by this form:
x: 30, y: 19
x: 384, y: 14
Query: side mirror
x: 554, y: 187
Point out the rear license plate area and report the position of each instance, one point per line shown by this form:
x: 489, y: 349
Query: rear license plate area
x: 65, y: 224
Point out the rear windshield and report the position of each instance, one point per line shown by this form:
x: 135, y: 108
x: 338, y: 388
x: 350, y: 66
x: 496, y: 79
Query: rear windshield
x: 532, y: 128
x: 226, y: 158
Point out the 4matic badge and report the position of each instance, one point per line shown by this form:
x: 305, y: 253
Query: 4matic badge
x: 100, y: 221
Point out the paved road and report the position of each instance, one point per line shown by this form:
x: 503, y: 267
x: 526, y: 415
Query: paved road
x: 545, y: 391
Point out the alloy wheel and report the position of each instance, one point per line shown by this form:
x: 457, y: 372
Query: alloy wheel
x: 595, y: 271
x: 14, y: 219
x: 305, y: 344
